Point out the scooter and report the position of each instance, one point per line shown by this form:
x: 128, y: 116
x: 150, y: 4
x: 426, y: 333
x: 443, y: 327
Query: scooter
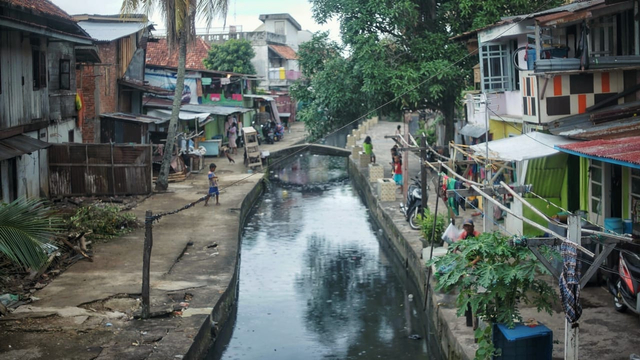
x: 625, y: 285
x: 413, y: 206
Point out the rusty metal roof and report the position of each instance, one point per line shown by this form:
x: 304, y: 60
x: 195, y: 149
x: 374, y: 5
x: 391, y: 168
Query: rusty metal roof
x: 284, y: 52
x: 622, y: 151
x: 20, y: 145
x: 611, y: 122
x: 158, y: 54
x: 39, y: 7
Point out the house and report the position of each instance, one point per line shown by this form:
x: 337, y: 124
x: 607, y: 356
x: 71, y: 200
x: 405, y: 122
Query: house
x: 275, y: 43
x: 40, y: 46
x: 571, y: 71
x: 112, y: 91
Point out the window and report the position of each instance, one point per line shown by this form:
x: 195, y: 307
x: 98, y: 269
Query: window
x: 496, y: 69
x: 65, y: 74
x: 71, y: 136
x: 279, y: 27
x: 596, y: 173
x: 39, y: 65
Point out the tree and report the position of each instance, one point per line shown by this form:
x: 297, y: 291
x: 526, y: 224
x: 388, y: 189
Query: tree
x: 400, y: 52
x: 179, y: 17
x: 232, y: 56
x: 25, y: 226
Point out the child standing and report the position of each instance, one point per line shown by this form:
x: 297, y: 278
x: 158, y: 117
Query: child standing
x: 213, y: 184
x: 397, y: 170
x: 367, y: 146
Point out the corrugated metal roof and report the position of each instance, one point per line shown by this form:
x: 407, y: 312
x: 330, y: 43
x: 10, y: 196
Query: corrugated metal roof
x: 20, y: 145
x: 133, y: 117
x: 612, y: 122
x: 523, y: 147
x: 622, y: 151
x: 214, y: 110
x: 109, y: 31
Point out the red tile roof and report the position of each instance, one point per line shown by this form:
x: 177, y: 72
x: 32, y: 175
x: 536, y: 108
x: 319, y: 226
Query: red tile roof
x: 39, y: 7
x: 284, y: 51
x: 158, y: 54
x: 623, y: 149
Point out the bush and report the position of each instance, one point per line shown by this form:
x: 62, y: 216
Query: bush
x: 102, y: 221
x: 426, y: 226
x: 503, y: 278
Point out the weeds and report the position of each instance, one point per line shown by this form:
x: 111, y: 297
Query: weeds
x: 102, y: 221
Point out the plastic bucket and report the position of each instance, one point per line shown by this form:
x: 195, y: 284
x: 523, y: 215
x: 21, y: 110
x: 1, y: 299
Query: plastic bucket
x: 613, y: 225
x: 627, y: 226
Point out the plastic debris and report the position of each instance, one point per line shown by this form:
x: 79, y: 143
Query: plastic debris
x: 415, y: 337
x: 108, y: 324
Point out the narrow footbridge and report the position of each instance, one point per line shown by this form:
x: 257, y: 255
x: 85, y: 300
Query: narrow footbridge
x: 315, y: 149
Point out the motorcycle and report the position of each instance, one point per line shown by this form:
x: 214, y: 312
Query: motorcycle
x: 413, y: 205
x: 625, y: 285
x: 268, y: 133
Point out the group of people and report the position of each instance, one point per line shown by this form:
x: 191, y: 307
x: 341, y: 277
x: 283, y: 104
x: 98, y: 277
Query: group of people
x: 396, y: 160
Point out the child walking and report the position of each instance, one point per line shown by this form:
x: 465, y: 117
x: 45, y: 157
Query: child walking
x: 367, y: 146
x: 213, y: 184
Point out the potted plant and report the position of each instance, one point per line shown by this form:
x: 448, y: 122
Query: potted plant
x: 493, y: 279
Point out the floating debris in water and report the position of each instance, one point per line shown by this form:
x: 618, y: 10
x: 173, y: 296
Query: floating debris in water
x: 415, y: 337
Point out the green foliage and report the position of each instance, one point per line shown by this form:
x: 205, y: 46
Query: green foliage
x: 233, y: 56
x: 426, y: 226
x: 26, y: 225
x: 101, y: 221
x: 496, y: 287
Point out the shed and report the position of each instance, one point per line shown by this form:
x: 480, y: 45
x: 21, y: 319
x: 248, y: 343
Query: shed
x: 123, y: 128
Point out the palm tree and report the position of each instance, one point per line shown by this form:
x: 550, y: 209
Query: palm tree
x: 25, y: 226
x: 179, y: 17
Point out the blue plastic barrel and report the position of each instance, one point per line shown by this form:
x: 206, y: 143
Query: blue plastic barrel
x: 627, y: 226
x: 613, y: 225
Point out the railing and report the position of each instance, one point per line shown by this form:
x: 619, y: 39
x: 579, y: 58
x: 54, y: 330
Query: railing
x: 253, y: 36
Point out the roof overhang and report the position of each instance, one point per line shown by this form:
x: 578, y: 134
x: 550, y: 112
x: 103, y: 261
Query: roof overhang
x: 473, y: 130
x: 156, y: 90
x: 42, y: 30
x: 87, y: 54
x: 523, y: 147
x: 145, y: 119
x: 20, y: 145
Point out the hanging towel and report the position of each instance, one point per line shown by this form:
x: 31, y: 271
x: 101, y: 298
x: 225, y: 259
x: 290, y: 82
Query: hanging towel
x: 570, y: 282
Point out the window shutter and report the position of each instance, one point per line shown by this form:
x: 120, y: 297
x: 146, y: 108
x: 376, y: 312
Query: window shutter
x: 43, y: 69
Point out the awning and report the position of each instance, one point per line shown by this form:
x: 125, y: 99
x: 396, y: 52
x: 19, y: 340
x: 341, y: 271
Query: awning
x: 20, y: 145
x: 523, y: 147
x: 473, y: 131
x: 622, y: 151
x: 165, y: 115
x: 146, y: 119
x: 87, y: 54
x: 139, y: 85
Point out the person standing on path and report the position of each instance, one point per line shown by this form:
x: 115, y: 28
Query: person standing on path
x: 397, y: 170
x: 367, y: 146
x: 233, y: 135
x: 213, y: 185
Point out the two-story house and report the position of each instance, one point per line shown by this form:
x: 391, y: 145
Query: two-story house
x: 571, y: 71
x: 40, y: 46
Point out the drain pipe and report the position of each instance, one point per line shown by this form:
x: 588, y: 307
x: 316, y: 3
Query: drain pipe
x: 433, y: 234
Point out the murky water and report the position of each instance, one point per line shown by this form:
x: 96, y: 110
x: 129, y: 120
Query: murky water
x: 315, y: 281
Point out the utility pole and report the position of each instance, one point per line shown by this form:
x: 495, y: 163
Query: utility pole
x: 571, y: 330
x: 146, y: 263
x: 423, y: 173
x: 405, y: 155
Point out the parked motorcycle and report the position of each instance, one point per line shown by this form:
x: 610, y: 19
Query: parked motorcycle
x: 625, y: 285
x: 413, y: 205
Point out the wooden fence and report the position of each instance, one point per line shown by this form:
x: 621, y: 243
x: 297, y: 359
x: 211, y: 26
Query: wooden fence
x: 99, y: 170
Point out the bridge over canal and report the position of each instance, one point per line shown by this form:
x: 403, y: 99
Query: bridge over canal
x: 315, y: 149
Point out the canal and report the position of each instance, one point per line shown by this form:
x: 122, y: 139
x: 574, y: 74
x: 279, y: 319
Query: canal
x: 317, y: 279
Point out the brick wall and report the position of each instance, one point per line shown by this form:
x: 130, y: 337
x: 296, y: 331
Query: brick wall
x: 99, y: 86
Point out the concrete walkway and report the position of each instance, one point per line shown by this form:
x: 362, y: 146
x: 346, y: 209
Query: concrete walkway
x: 85, y: 313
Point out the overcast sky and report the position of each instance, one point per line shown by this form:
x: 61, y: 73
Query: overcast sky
x: 241, y: 12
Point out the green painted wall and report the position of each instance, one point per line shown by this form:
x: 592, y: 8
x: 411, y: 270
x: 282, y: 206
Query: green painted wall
x: 584, y: 184
x: 626, y: 192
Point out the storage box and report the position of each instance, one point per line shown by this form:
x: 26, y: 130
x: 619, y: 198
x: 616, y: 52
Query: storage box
x: 523, y: 342
x: 376, y: 172
x: 386, y: 190
x: 364, y: 159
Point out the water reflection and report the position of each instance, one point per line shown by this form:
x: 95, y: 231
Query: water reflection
x: 314, y: 280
